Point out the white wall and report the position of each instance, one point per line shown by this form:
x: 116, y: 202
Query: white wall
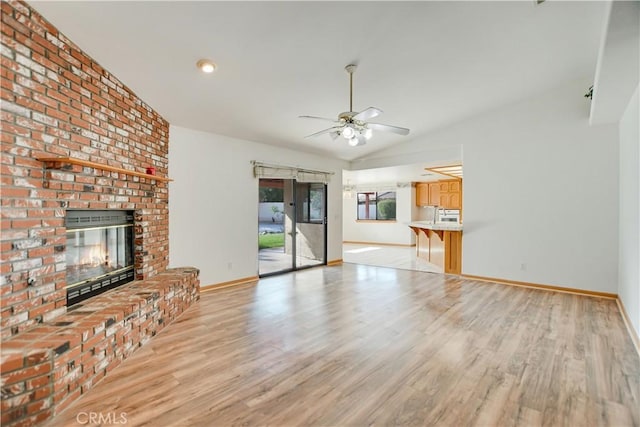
x: 379, y: 232
x: 540, y: 196
x: 540, y: 189
x: 629, y: 247
x: 213, y: 202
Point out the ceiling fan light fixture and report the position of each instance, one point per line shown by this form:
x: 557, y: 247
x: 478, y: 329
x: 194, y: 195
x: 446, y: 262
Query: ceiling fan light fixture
x: 355, y: 126
x: 206, y: 66
x: 348, y: 132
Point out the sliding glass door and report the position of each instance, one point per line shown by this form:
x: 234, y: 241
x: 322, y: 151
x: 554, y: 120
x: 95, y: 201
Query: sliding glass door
x: 272, y: 221
x: 310, y: 234
x: 292, y: 225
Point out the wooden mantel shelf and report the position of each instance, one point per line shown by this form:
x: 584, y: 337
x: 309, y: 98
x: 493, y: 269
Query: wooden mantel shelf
x: 87, y: 163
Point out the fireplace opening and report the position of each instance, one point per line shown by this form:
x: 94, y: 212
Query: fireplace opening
x: 99, y: 252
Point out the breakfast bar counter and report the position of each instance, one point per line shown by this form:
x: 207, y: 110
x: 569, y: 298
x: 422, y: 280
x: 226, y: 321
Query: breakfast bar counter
x: 439, y: 244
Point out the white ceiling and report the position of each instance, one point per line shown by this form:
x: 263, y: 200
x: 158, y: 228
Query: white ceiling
x: 425, y: 64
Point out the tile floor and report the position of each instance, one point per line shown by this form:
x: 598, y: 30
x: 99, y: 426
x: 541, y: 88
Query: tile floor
x: 402, y: 257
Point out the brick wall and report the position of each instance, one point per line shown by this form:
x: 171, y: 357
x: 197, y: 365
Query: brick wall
x: 57, y: 101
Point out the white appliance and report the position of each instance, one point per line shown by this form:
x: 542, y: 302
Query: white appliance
x: 448, y: 216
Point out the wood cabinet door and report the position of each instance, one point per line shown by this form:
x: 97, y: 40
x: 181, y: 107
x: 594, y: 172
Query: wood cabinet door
x: 453, y: 254
x: 443, y: 194
x: 434, y: 194
x: 422, y: 194
x: 454, y: 186
x: 443, y: 201
x: 454, y: 201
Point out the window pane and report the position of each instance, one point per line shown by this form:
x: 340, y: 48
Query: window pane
x: 310, y: 202
x: 316, y: 196
x: 364, y: 206
x: 387, y: 205
x: 302, y: 202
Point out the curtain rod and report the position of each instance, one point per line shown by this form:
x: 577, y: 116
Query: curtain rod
x: 271, y: 165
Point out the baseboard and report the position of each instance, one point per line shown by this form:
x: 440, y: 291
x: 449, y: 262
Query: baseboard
x: 334, y: 262
x: 543, y: 287
x: 409, y: 245
x: 627, y: 322
x: 217, y: 286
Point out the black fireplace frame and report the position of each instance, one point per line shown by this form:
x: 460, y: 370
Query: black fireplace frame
x: 77, y: 219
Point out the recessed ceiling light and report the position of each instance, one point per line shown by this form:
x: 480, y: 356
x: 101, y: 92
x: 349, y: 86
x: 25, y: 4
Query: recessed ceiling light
x: 206, y: 66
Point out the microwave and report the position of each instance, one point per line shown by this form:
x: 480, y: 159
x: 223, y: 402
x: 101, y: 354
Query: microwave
x: 449, y: 215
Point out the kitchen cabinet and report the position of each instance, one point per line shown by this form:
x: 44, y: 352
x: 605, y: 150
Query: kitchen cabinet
x: 444, y: 194
x: 455, y: 201
x: 450, y: 196
x: 434, y: 193
x: 453, y: 252
x: 443, y: 200
x: 422, y: 194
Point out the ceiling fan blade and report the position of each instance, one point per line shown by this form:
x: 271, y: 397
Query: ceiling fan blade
x: 367, y: 114
x: 329, y: 130
x: 317, y: 118
x: 388, y: 128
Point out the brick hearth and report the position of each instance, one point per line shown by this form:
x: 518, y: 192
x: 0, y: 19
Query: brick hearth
x: 51, y: 365
x: 58, y: 102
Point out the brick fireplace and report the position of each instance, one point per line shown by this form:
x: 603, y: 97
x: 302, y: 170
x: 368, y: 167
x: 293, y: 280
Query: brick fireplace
x: 57, y: 102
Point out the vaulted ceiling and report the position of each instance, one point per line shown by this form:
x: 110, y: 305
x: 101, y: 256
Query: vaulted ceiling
x: 425, y: 64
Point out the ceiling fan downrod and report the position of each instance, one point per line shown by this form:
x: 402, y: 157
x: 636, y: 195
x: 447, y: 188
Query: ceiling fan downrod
x: 351, y: 68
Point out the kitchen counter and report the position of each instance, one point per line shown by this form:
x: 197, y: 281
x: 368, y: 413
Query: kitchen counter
x: 439, y: 244
x: 444, y: 226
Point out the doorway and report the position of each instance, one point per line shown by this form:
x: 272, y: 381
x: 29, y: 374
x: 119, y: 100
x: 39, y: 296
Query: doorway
x: 292, y: 225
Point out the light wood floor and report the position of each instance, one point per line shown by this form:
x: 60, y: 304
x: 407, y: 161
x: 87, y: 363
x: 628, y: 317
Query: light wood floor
x: 359, y: 345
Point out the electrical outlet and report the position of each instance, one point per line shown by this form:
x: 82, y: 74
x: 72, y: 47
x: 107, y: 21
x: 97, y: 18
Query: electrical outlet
x: 229, y: 266
x: 523, y: 266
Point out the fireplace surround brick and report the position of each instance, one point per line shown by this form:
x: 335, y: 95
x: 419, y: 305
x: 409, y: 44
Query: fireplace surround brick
x: 56, y: 101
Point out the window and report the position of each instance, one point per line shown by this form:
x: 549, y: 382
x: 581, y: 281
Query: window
x: 377, y: 205
x: 310, y: 202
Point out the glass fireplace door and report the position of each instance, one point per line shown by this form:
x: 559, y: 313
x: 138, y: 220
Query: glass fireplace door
x: 99, y: 252
x: 95, y: 252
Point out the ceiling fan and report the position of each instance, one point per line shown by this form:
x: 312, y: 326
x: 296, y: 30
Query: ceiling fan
x: 354, y: 126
